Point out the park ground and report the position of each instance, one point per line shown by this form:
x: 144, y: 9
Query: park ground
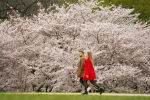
x: 72, y: 96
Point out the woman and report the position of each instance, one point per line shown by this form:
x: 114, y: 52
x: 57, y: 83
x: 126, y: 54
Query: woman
x: 89, y: 74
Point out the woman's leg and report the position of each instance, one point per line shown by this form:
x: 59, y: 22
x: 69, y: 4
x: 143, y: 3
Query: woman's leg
x: 85, y: 84
x: 95, y: 84
x: 101, y: 90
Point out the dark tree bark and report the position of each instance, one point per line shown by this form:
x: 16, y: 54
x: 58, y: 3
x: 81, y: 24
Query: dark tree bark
x: 23, y: 7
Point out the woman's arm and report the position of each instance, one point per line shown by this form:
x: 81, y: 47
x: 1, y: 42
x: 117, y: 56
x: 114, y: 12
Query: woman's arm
x: 88, y: 67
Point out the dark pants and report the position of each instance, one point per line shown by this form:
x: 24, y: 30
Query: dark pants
x: 81, y: 81
x: 92, y: 82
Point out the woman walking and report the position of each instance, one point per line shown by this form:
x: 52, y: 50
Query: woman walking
x: 89, y: 74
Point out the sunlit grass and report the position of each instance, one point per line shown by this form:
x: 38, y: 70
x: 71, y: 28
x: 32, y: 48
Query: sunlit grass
x: 14, y: 96
x: 140, y: 6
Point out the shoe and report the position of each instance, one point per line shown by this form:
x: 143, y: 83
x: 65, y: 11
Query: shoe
x: 101, y: 90
x: 88, y: 89
x: 84, y: 93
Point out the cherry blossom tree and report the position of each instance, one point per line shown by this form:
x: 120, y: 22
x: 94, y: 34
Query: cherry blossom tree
x: 45, y: 48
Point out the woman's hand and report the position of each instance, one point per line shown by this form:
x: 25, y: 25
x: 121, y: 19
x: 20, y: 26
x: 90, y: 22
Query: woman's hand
x: 87, y: 76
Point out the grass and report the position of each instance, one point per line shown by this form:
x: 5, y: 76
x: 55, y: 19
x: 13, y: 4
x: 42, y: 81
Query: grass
x: 140, y: 6
x: 15, y: 96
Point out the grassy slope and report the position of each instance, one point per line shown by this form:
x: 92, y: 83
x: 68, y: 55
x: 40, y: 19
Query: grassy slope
x: 140, y: 6
x: 4, y: 96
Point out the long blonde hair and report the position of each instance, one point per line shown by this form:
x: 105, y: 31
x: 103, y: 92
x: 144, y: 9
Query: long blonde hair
x: 90, y: 57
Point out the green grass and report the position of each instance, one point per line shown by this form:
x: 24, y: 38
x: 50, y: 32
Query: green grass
x: 14, y: 96
x: 140, y: 6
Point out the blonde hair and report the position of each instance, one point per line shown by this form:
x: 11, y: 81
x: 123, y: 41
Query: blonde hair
x: 90, y: 57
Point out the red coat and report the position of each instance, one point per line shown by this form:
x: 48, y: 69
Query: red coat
x: 89, y: 70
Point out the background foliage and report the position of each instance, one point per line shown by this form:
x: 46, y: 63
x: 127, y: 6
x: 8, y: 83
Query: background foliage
x: 29, y: 7
x: 139, y: 6
x: 26, y: 7
x: 41, y: 52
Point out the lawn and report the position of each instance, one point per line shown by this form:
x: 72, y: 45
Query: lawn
x: 14, y: 96
x: 140, y: 6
